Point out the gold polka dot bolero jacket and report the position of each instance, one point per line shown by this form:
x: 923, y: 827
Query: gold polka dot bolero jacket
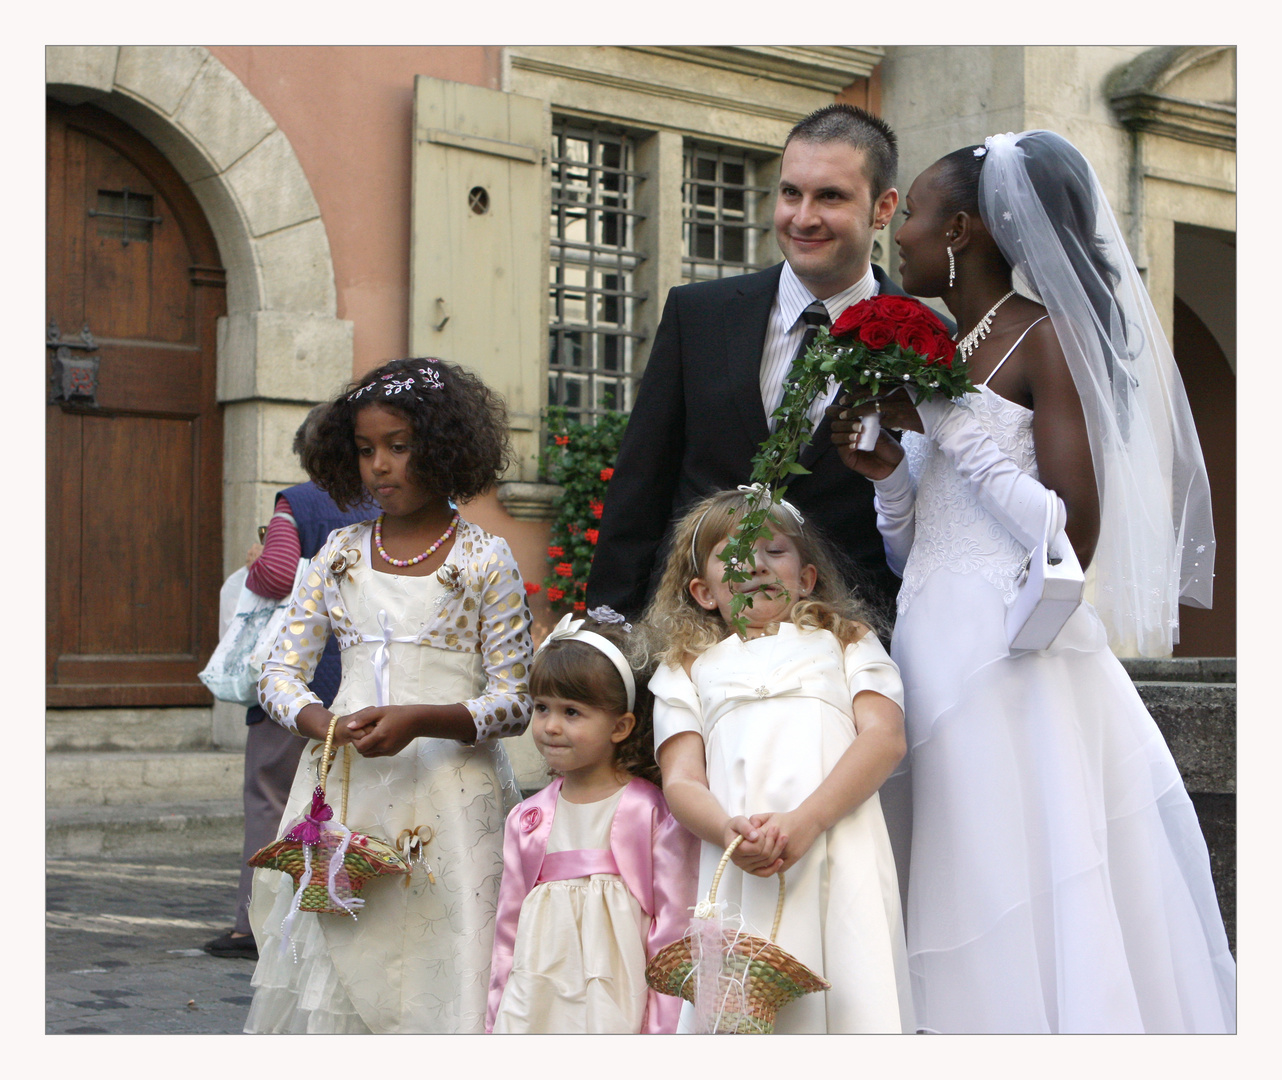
x: 482, y: 609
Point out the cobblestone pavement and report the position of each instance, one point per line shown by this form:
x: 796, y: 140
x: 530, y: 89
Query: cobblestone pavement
x: 122, y: 947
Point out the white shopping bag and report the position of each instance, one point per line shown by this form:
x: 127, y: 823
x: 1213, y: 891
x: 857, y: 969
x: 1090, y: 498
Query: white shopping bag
x: 233, y: 671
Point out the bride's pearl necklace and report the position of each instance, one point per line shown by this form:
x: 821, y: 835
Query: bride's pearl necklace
x: 971, y: 341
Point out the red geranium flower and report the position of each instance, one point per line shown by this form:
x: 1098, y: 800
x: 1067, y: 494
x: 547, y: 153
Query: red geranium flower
x: 563, y: 440
x: 606, y: 474
x: 564, y: 569
x: 572, y: 529
x: 597, y: 508
x: 592, y: 535
x: 532, y: 587
x: 556, y: 553
x: 579, y: 605
x: 554, y: 593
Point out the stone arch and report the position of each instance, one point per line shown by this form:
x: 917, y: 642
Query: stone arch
x: 281, y: 345
x: 1184, y: 92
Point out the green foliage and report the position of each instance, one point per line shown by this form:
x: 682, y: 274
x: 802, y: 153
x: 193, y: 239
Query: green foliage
x: 864, y: 373
x: 575, y: 458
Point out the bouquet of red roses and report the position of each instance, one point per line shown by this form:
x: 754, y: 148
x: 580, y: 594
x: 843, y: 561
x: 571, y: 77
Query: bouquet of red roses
x: 874, y: 346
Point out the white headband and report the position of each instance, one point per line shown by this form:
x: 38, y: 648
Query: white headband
x: 745, y: 489
x: 569, y: 629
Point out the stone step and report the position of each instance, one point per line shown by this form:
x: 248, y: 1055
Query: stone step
x: 1199, y: 723
x: 209, y: 827
x: 1194, y: 703
x: 131, y: 778
x: 128, y: 729
x: 1189, y: 669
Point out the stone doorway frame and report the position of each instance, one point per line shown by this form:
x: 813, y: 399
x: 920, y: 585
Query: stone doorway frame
x: 281, y: 346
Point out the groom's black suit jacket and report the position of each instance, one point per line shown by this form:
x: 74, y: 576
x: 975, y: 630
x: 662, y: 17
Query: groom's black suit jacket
x: 697, y: 423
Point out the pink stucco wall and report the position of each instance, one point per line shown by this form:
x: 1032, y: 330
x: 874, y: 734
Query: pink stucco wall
x: 348, y: 111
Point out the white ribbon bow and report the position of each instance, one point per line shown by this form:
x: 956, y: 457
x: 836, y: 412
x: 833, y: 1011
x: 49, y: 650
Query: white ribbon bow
x: 382, y: 657
x: 571, y: 629
x: 761, y: 489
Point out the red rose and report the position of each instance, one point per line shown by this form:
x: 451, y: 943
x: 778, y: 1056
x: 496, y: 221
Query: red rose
x: 931, y: 319
x: 877, y: 333
x: 554, y: 593
x: 920, y: 339
x: 897, y: 308
x: 606, y: 474
x: 579, y: 605
x: 597, y: 508
x: 945, y: 349
x: 531, y: 588
x: 556, y: 553
x: 563, y: 440
x: 852, y: 319
x: 564, y: 569
x: 592, y: 535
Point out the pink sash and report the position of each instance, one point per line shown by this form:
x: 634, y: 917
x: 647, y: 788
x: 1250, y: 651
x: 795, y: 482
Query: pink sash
x: 560, y: 865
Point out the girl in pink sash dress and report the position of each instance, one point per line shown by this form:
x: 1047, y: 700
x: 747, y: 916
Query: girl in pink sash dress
x: 597, y: 874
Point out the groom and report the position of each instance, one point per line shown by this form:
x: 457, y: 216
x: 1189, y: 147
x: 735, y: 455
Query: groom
x: 721, y: 353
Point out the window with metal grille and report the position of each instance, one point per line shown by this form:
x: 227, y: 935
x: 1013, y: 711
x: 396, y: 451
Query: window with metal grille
x: 720, y: 204
x: 125, y: 215
x: 593, y: 297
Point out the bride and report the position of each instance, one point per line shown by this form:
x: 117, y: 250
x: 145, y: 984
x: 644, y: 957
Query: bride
x: 1058, y: 878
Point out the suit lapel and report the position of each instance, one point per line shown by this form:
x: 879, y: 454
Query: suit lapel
x: 744, y: 336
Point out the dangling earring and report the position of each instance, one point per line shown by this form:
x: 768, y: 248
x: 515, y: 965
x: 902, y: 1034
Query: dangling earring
x: 952, y: 267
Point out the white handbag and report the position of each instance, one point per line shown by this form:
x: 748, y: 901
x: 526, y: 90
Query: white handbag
x: 233, y: 671
x: 1051, y: 589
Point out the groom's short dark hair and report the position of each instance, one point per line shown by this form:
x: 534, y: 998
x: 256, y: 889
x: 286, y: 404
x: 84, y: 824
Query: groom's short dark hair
x: 862, y: 130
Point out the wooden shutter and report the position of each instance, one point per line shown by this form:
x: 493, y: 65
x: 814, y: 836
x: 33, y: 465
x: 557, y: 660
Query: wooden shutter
x: 479, y: 255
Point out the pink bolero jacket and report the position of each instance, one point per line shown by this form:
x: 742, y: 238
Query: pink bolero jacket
x: 657, y: 859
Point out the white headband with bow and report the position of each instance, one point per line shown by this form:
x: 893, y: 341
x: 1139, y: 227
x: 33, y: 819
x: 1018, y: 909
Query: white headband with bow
x: 747, y: 490
x: 570, y: 629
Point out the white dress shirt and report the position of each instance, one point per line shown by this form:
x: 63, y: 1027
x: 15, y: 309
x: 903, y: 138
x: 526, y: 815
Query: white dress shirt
x: 786, y: 328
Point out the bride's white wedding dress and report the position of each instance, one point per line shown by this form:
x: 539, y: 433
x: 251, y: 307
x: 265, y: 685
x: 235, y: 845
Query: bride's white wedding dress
x: 1058, y: 879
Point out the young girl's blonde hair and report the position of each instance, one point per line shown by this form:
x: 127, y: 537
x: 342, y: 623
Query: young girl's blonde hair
x: 675, y: 628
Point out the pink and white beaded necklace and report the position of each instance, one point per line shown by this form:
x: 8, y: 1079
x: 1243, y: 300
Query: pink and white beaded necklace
x: 378, y: 543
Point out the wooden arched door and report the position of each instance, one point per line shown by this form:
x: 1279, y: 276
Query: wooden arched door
x: 134, y: 458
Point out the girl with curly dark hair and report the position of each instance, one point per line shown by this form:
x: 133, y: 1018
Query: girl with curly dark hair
x: 430, y: 615
x: 597, y: 874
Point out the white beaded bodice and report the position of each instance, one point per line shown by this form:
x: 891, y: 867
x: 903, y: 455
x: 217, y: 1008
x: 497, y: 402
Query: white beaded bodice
x: 953, y: 529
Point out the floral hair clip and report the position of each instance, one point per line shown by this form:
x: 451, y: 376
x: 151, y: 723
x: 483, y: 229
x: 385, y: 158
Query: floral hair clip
x: 432, y: 378
x: 980, y: 151
x: 607, y: 614
x: 392, y: 385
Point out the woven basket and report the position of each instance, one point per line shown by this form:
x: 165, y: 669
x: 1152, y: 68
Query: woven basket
x: 770, y: 976
x: 366, y: 858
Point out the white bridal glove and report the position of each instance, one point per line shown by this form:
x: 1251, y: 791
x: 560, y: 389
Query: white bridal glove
x: 895, y: 500
x: 1012, y: 496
